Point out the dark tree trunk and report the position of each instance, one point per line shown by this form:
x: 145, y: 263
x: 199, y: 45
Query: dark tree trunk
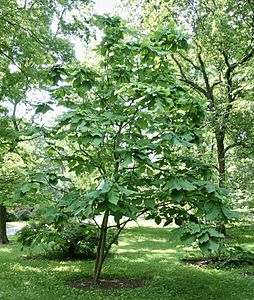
x: 3, y: 220
x: 100, y: 255
x: 221, y: 156
x: 220, y: 139
x: 71, y: 250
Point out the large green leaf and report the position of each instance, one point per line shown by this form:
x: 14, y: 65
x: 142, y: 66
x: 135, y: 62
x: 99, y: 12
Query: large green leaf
x: 213, y: 245
x: 213, y: 213
x: 125, y: 191
x: 114, y: 196
x: 43, y: 108
x: 230, y: 214
x: 186, y: 185
x: 204, y: 238
x: 214, y: 233
x: 177, y: 196
x: 149, y: 203
x: 127, y: 161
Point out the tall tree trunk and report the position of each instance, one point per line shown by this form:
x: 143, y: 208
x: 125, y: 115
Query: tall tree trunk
x: 100, y: 255
x: 221, y: 156
x: 220, y: 140
x: 3, y: 220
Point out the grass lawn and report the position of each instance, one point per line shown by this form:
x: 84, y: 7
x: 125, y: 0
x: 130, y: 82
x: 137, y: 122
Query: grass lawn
x: 143, y: 253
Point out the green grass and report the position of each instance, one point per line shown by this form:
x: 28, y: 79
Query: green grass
x: 143, y: 253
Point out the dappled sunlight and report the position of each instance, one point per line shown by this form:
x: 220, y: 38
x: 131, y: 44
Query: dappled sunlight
x: 22, y: 268
x: 5, y: 250
x: 153, y: 244
x: 66, y: 269
x: 249, y: 247
x: 147, y: 245
x: 148, y: 250
x: 163, y: 251
x: 129, y: 260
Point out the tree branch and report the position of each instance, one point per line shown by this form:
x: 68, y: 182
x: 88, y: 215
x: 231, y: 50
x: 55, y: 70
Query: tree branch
x: 187, y: 81
x: 29, y: 31
x: 228, y: 76
x: 123, y: 224
x: 216, y: 82
x: 246, y: 58
x: 14, y: 120
x: 14, y: 62
x: 237, y: 144
x: 189, y: 61
x: 209, y: 89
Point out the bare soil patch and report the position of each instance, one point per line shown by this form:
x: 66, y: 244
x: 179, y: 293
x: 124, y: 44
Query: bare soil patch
x: 222, y: 263
x: 106, y: 283
x: 201, y: 261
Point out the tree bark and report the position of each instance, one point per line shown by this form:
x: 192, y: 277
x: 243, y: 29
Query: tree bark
x: 221, y: 156
x: 100, y: 255
x: 220, y: 141
x: 3, y: 220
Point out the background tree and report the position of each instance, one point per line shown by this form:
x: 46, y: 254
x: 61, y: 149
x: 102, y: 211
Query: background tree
x: 11, y: 174
x: 33, y: 39
x: 218, y: 66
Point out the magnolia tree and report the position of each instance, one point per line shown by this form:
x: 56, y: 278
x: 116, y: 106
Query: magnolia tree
x: 134, y: 129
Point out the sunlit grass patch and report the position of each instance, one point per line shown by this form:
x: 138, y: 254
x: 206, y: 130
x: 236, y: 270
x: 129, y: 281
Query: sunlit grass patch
x: 6, y: 250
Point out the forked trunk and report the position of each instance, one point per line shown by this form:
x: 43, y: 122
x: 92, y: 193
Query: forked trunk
x: 100, y: 255
x: 3, y: 220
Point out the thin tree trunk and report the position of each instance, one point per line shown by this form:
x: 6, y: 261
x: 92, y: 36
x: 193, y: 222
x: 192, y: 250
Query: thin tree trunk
x: 3, y: 220
x: 100, y: 255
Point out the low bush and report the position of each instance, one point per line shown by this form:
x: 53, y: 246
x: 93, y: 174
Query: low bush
x: 236, y: 257
x: 19, y: 214
x: 73, y: 240
x: 11, y: 216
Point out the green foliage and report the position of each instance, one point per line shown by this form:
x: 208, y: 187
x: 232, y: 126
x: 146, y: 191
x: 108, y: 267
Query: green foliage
x: 70, y: 241
x: 135, y: 113
x: 207, y: 239
x: 19, y: 213
x: 235, y: 257
x: 33, y: 38
x: 218, y: 66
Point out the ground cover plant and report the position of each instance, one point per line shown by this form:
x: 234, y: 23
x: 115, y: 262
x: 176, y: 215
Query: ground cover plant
x: 144, y: 253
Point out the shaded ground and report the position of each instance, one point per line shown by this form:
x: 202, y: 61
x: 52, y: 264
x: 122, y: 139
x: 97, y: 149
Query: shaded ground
x: 106, y: 283
x: 202, y: 262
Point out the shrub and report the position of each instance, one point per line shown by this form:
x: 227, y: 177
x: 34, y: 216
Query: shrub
x: 236, y: 257
x: 70, y: 241
x: 11, y: 216
x: 19, y: 214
